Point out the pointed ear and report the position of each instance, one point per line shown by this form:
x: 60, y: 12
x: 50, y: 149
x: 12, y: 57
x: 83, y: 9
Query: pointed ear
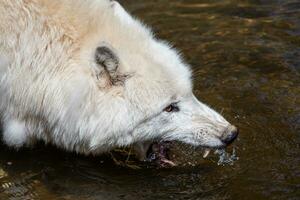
x: 108, y: 66
x: 107, y: 59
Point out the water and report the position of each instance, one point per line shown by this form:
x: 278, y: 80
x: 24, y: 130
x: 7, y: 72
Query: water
x: 226, y: 158
x: 246, y: 62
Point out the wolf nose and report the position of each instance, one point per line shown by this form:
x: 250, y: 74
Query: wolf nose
x: 230, y: 135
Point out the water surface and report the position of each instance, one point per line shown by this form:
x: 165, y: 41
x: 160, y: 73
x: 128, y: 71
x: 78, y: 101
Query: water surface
x: 246, y: 61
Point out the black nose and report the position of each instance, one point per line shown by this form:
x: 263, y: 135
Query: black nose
x: 230, y: 135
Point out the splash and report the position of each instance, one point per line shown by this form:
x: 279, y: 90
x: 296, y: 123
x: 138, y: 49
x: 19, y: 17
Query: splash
x: 226, y: 158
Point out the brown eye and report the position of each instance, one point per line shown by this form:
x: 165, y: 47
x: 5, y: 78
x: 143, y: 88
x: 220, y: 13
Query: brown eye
x: 169, y: 108
x: 172, y: 108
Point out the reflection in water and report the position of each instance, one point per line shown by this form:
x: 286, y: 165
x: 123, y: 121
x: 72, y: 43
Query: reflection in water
x: 246, y: 61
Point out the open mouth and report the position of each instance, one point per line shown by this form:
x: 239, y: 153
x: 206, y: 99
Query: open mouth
x: 159, y: 153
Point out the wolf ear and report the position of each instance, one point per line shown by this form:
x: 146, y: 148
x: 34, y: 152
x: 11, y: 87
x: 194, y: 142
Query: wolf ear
x: 108, y: 66
x: 107, y: 60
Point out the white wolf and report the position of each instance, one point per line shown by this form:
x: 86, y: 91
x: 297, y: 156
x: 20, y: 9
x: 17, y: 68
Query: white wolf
x: 88, y: 77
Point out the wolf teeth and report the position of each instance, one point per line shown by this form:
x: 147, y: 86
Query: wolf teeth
x: 206, y: 153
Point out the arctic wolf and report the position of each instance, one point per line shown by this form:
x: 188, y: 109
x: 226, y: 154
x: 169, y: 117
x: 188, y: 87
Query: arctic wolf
x: 88, y: 77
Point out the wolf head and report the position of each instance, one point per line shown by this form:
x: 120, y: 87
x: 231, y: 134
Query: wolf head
x: 154, y: 88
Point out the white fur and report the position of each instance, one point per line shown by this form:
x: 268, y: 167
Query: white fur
x: 15, y: 133
x: 50, y: 90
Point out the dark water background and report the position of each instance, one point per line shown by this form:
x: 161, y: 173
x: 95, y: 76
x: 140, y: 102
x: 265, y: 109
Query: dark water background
x: 246, y: 61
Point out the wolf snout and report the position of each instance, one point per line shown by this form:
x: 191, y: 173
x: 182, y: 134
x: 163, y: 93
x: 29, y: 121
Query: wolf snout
x: 230, y: 135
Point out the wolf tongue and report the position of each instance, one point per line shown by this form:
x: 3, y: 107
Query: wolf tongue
x: 206, y: 153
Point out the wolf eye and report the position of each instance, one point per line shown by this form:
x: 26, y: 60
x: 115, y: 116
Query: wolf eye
x: 172, y: 108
